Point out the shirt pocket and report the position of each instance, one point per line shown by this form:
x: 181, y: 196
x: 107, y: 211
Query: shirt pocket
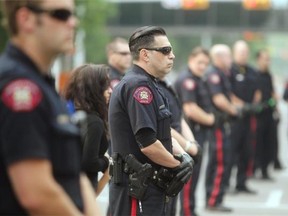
x: 163, y: 127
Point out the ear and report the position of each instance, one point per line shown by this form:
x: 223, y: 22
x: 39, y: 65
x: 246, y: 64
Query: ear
x: 25, y: 20
x: 144, y: 55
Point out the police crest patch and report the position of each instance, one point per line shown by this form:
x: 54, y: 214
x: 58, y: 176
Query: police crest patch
x: 189, y: 84
x: 143, y: 95
x: 21, y: 95
x: 214, y: 78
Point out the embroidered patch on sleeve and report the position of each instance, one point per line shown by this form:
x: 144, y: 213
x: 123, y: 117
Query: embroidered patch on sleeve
x: 214, y: 78
x: 21, y: 95
x: 114, y: 83
x: 189, y: 84
x: 143, y: 95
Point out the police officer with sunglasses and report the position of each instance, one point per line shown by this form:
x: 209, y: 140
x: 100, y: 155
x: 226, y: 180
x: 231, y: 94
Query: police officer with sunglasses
x: 39, y: 146
x: 145, y: 171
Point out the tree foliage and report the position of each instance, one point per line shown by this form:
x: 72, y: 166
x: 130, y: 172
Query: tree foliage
x: 93, y: 15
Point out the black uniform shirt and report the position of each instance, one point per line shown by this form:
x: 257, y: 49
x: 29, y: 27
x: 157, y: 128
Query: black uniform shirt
x: 191, y: 88
x: 218, y: 82
x: 34, y: 125
x: 265, y: 85
x: 244, y: 82
x: 137, y: 102
x: 174, y: 105
x: 115, y: 76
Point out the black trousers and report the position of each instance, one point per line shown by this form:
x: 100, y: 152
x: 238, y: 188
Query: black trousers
x: 242, y: 150
x: 187, y: 195
x: 153, y: 203
x: 265, y: 149
x: 217, y: 173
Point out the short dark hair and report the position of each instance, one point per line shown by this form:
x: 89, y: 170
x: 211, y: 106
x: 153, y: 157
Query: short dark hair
x: 86, y: 88
x: 199, y: 50
x: 260, y: 52
x: 143, y: 37
x: 9, y: 10
x: 111, y: 46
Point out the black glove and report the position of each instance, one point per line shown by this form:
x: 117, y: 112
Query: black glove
x: 181, y: 175
x: 199, y: 154
x: 220, y: 118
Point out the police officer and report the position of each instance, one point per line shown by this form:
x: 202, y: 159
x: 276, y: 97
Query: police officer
x: 39, y: 147
x: 197, y: 106
x: 266, y: 125
x: 220, y: 90
x: 119, y: 59
x: 180, y: 131
x: 245, y: 91
x: 139, y: 120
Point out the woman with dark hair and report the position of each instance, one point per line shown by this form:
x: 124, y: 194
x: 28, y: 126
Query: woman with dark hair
x: 89, y: 89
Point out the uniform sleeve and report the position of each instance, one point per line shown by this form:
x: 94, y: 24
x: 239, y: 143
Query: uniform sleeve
x: 141, y: 105
x: 92, y: 161
x: 214, y: 84
x: 187, y: 88
x: 24, y: 122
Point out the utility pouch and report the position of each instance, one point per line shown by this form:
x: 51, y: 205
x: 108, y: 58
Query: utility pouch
x: 117, y: 168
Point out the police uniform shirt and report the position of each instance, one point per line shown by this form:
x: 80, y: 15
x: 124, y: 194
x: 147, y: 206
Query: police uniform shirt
x: 265, y: 84
x: 115, y: 76
x: 34, y: 125
x: 191, y: 88
x: 137, y: 102
x: 174, y: 105
x: 218, y: 82
x: 244, y: 82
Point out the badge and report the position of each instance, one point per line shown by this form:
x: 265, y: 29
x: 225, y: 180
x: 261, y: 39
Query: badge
x: 143, y: 95
x: 239, y: 77
x: 214, y: 78
x: 114, y: 83
x: 21, y: 95
x: 189, y: 84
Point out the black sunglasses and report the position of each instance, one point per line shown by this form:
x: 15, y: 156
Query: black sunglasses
x: 59, y: 14
x: 164, y: 50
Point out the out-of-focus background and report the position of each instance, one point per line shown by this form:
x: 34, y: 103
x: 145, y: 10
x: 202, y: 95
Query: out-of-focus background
x: 190, y: 23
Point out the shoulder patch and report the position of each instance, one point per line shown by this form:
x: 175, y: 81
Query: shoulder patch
x: 143, y: 95
x: 214, y: 78
x: 21, y: 95
x: 114, y: 83
x: 189, y: 84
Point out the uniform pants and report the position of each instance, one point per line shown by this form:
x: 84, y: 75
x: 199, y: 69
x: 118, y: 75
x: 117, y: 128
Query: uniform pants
x: 265, y: 132
x: 242, y: 149
x: 187, y: 195
x: 121, y: 204
x: 219, y: 161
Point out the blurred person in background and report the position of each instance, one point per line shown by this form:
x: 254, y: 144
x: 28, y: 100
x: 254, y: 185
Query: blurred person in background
x: 89, y: 90
x: 119, y: 59
x: 245, y: 91
x: 267, y: 142
x: 218, y: 81
x: 39, y: 146
x: 180, y: 131
x: 198, y: 110
x: 285, y: 94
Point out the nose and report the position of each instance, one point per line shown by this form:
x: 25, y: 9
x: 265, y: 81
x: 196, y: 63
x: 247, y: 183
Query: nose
x: 73, y: 21
x: 172, y: 55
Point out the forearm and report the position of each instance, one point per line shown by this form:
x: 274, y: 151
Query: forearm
x: 182, y: 141
x: 197, y: 114
x: 177, y: 148
x: 88, y: 197
x: 222, y: 103
x: 186, y: 131
x: 159, y: 155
